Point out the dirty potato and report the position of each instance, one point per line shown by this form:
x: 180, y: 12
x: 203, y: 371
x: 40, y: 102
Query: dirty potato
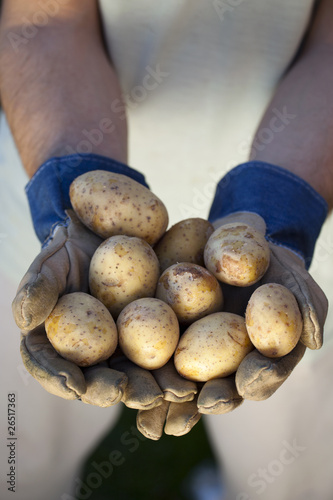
x: 110, y: 204
x: 190, y: 290
x: 148, y: 332
x: 273, y: 320
x: 81, y: 329
x: 184, y: 242
x: 123, y: 269
x: 212, y: 347
x: 237, y: 254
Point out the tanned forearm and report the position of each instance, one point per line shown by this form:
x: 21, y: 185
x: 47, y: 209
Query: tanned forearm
x: 302, y: 142
x: 59, y: 85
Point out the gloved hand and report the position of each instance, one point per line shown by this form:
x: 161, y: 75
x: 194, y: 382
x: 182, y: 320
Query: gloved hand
x: 62, y: 267
x: 293, y: 213
x: 258, y: 377
x: 260, y: 195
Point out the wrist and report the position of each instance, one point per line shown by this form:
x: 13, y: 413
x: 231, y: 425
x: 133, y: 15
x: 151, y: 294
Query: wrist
x: 48, y: 189
x: 293, y: 211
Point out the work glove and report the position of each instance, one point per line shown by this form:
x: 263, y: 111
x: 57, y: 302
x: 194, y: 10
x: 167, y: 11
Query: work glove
x: 290, y: 213
x: 62, y: 267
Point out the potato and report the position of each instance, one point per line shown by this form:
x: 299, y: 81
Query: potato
x: 81, y: 329
x: 237, y: 254
x: 212, y: 347
x: 110, y: 204
x: 191, y: 290
x: 273, y: 320
x: 184, y: 242
x: 123, y: 269
x: 148, y: 332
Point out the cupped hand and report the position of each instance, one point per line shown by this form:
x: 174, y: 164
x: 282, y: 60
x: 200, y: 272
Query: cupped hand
x: 61, y: 267
x: 258, y: 376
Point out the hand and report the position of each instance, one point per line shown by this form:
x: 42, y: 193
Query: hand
x: 61, y: 267
x: 258, y: 377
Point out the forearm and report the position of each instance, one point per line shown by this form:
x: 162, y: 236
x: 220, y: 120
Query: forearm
x: 60, y: 85
x: 302, y: 141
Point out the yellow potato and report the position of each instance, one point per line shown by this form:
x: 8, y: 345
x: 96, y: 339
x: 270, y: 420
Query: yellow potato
x: 212, y: 347
x: 184, y: 242
x: 237, y: 254
x: 123, y: 269
x: 273, y: 320
x: 148, y: 332
x: 111, y: 204
x: 81, y: 329
x: 191, y: 291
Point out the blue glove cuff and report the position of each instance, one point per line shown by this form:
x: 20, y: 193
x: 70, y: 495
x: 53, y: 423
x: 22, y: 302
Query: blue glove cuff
x: 48, y: 189
x: 293, y: 211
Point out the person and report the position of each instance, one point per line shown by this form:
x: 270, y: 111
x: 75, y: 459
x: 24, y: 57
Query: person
x: 198, y: 82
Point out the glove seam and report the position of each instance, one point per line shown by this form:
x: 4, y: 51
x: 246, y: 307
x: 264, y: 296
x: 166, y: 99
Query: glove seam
x: 221, y: 402
x: 144, y: 431
x: 258, y: 375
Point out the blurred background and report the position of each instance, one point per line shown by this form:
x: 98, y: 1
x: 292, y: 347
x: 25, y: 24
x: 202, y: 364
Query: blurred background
x: 183, y: 151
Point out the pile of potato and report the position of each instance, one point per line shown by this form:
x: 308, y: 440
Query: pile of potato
x: 156, y: 293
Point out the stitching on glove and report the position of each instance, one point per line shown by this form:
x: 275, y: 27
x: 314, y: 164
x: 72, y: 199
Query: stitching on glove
x: 258, y: 375
x: 144, y: 431
x: 224, y: 402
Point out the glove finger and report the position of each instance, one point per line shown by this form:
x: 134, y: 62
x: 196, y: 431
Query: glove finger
x: 258, y: 377
x: 142, y: 391
x: 311, y: 299
x: 151, y: 422
x: 175, y: 388
x: 62, y: 266
x: 40, y: 287
x: 219, y: 396
x: 57, y: 375
x: 105, y: 387
x: 181, y: 418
